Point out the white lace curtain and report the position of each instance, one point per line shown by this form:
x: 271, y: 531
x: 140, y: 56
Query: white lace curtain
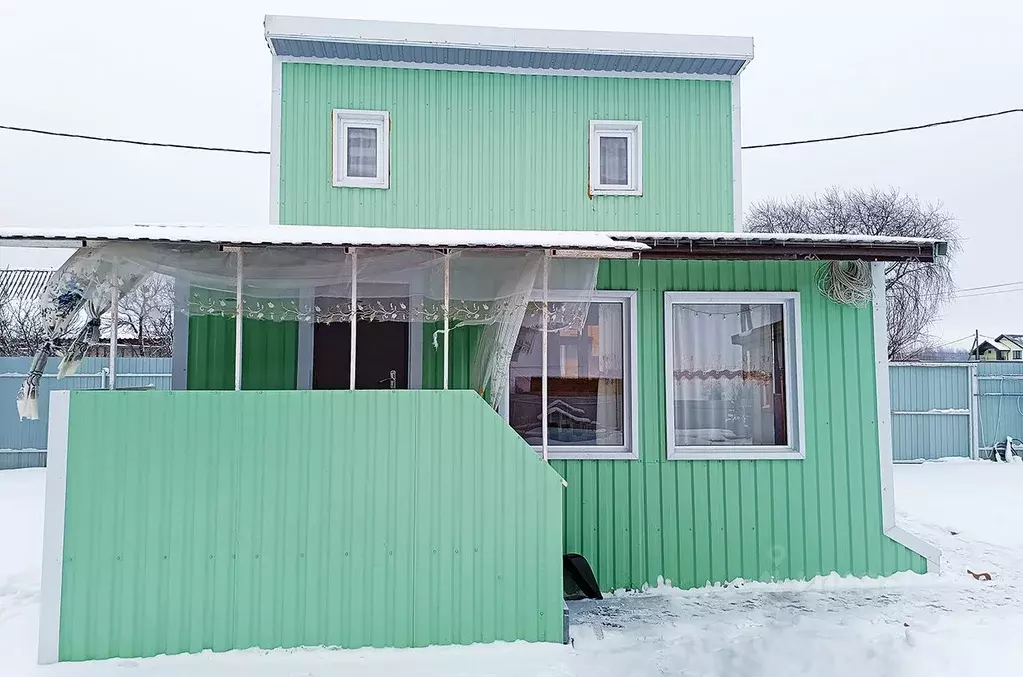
x: 489, y: 288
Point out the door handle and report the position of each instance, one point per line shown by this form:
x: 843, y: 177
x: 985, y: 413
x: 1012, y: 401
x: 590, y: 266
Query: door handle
x: 392, y: 380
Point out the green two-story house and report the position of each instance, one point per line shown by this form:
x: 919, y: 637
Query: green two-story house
x: 552, y: 220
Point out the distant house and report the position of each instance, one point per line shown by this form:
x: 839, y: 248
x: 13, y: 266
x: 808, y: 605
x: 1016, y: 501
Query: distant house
x: 23, y: 285
x: 1005, y: 347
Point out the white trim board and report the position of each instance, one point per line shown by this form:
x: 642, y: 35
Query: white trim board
x: 276, y: 80
x: 736, y: 154
x: 884, y: 429
x: 53, y: 527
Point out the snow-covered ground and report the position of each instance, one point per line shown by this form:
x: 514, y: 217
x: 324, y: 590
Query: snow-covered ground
x: 911, y: 625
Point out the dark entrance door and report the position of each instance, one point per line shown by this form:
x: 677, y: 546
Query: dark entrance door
x: 381, y: 357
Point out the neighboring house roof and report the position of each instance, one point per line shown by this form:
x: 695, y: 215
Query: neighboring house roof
x: 774, y: 246
x: 1016, y: 340
x: 489, y: 48
x: 997, y: 344
x: 23, y: 284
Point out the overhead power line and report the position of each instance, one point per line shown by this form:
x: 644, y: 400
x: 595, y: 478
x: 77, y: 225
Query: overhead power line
x: 249, y: 151
x: 880, y: 132
x: 135, y: 142
x: 989, y: 293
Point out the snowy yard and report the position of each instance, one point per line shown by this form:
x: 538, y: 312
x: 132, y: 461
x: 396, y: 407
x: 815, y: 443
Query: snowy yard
x: 907, y: 625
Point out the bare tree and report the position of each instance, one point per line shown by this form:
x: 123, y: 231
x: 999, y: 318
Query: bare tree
x: 915, y: 291
x: 147, y: 314
x: 21, y: 327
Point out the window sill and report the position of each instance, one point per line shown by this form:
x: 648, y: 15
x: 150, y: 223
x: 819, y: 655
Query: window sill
x: 735, y: 454
x: 355, y: 183
x: 634, y: 192
x: 588, y: 454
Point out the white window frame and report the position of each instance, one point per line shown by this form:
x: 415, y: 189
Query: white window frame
x: 630, y: 450
x: 343, y: 118
x: 633, y: 131
x: 796, y: 449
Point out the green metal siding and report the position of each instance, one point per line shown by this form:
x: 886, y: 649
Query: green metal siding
x: 223, y: 520
x: 695, y: 522
x: 269, y: 354
x: 699, y: 521
x: 493, y: 150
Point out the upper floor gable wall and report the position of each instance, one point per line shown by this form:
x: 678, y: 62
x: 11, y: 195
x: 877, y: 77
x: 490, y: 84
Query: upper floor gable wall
x: 472, y: 149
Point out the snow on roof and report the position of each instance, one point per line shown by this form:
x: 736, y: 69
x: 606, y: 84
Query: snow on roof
x: 1017, y: 339
x: 655, y: 244
x: 264, y: 234
x: 400, y: 43
x: 745, y: 237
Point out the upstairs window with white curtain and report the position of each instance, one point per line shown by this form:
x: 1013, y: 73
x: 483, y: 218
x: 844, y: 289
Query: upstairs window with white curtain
x: 616, y: 157
x: 590, y: 380
x: 361, y: 148
x: 733, y: 375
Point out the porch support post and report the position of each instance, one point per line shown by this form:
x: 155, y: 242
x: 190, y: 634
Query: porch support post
x: 115, y: 300
x: 238, y: 306
x: 447, y: 312
x: 545, y: 314
x: 353, y: 316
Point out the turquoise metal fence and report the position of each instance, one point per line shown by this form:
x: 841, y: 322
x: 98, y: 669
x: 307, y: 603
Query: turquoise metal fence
x: 931, y: 411
x: 1000, y: 392
x: 22, y: 443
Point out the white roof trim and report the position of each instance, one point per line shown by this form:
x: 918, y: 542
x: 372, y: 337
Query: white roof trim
x: 347, y: 236
x: 508, y: 39
x: 337, y: 236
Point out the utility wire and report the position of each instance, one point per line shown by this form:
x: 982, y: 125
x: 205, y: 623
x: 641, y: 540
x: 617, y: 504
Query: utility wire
x: 989, y: 293
x: 893, y: 130
x: 248, y: 151
x: 135, y: 142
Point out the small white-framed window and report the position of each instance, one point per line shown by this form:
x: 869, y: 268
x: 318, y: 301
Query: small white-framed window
x: 616, y: 157
x: 591, y: 378
x: 733, y: 363
x: 361, y: 148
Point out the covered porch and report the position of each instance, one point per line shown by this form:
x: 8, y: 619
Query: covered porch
x: 247, y: 516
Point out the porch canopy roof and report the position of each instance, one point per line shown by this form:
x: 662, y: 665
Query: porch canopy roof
x: 650, y: 245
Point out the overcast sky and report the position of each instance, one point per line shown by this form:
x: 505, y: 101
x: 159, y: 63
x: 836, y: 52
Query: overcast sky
x: 199, y: 73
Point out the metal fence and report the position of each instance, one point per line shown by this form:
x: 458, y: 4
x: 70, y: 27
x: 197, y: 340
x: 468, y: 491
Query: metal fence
x: 23, y: 443
x: 954, y: 410
x: 938, y: 410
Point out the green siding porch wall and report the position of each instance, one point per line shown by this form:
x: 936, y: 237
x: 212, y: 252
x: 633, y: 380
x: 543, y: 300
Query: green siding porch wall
x: 224, y: 520
x: 269, y: 354
x: 699, y: 521
x: 494, y: 150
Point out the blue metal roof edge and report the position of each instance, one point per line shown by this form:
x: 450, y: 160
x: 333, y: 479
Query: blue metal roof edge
x: 480, y: 57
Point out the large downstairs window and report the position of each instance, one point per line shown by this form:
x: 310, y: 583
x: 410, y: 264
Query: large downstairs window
x: 591, y: 379
x: 733, y: 364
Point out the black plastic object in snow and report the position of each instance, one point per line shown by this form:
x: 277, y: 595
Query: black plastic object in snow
x: 580, y: 582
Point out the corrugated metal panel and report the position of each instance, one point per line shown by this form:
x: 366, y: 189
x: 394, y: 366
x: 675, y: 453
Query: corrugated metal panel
x: 23, y: 284
x: 700, y: 521
x: 496, y: 58
x: 930, y: 411
x: 269, y: 354
x: 490, y: 150
x: 1001, y: 402
x: 16, y: 434
x: 13, y: 460
x: 223, y: 520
